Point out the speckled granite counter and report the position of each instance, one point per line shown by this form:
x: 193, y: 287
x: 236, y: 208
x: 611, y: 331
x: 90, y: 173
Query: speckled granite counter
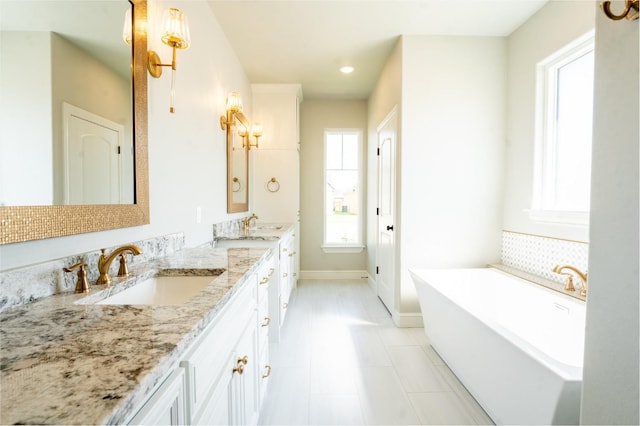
x: 67, y: 363
x: 263, y: 231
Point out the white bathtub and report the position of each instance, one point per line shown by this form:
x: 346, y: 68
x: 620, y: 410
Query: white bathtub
x: 516, y: 346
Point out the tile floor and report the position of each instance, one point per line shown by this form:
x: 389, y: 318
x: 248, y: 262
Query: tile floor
x: 341, y: 360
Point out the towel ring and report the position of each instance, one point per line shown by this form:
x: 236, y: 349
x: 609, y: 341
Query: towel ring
x: 273, y: 185
x: 236, y: 186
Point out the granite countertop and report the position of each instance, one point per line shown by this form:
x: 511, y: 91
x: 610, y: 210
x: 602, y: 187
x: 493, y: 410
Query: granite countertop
x: 67, y: 363
x: 261, y: 231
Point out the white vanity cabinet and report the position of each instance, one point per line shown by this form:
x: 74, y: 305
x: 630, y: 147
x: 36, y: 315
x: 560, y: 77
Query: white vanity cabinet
x: 222, y: 366
x: 167, y: 405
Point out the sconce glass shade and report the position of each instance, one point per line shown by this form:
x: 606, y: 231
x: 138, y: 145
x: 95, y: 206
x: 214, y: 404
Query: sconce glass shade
x: 242, y: 131
x: 234, y: 102
x: 256, y: 130
x: 175, y: 29
x: 126, y: 28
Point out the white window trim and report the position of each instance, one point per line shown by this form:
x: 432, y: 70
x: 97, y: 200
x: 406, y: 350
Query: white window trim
x: 544, y: 138
x: 342, y: 248
x: 347, y: 247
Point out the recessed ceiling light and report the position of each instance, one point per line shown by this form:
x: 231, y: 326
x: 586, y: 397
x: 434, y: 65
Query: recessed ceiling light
x: 346, y: 70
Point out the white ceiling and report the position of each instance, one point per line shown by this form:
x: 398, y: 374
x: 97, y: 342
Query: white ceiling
x: 307, y: 41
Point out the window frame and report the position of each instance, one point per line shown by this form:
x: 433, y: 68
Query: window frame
x: 545, y: 140
x: 358, y: 246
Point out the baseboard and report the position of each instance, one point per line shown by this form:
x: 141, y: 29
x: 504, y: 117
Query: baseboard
x: 408, y: 320
x: 333, y: 275
x: 372, y: 284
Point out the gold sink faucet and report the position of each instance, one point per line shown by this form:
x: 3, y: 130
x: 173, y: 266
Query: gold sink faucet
x: 246, y: 222
x: 558, y: 269
x: 104, y: 262
x: 82, y: 286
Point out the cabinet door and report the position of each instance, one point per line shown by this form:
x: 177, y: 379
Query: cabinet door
x: 167, y: 404
x: 245, y: 390
x: 217, y: 410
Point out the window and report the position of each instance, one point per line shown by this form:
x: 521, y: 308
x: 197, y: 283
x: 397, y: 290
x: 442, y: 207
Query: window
x: 563, y: 145
x: 342, y: 193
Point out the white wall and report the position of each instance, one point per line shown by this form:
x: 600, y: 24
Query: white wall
x: 451, y: 161
x: 552, y: 27
x: 611, y: 372
x: 187, y: 153
x: 25, y: 118
x: 315, y: 117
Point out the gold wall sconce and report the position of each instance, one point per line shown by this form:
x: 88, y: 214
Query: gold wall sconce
x: 234, y: 111
x: 175, y: 34
x: 630, y: 11
x: 256, y: 132
x: 233, y: 116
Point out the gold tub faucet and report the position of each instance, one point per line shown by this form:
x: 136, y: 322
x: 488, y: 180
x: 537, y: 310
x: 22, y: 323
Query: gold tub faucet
x: 558, y: 269
x: 104, y: 262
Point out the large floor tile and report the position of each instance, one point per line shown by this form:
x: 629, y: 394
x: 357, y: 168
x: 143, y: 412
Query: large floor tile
x: 395, y: 336
x: 331, y: 376
x: 416, y: 371
x: 287, y: 398
x: 382, y: 397
x: 335, y: 410
x: 469, y: 402
x: 368, y: 346
x: 440, y: 408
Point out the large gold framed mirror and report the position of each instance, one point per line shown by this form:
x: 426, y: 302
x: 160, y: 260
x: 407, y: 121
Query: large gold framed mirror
x: 20, y: 221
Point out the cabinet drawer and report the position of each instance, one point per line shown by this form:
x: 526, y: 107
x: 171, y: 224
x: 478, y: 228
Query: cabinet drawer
x: 206, y: 361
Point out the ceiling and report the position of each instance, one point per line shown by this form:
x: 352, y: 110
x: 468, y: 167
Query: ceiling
x: 307, y: 41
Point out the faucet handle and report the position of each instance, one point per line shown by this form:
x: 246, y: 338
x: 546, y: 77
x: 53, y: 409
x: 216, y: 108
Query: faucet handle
x: 82, y: 285
x: 123, y: 271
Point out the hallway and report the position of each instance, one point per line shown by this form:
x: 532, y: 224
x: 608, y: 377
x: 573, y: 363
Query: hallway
x: 341, y: 360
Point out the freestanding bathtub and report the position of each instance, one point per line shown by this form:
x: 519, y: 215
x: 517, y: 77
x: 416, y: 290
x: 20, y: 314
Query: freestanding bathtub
x: 516, y: 346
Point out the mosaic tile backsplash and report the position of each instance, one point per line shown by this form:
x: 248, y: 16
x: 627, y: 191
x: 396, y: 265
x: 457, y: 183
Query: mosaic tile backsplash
x: 25, y: 285
x: 538, y: 255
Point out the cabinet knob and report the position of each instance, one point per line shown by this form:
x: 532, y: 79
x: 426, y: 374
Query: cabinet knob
x: 285, y: 275
x: 266, y: 322
x: 285, y: 305
x: 244, y: 360
x: 271, y: 271
x: 238, y: 369
x: 264, y: 280
x: 268, y: 367
x: 292, y: 254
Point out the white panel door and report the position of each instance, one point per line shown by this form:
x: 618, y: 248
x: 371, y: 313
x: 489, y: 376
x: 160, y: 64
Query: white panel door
x: 385, y: 252
x: 92, y: 158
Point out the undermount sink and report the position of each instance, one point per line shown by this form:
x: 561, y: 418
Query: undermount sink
x: 260, y: 227
x: 245, y: 243
x: 160, y: 291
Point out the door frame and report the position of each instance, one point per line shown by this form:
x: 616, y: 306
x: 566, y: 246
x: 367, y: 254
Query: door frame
x: 391, y: 117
